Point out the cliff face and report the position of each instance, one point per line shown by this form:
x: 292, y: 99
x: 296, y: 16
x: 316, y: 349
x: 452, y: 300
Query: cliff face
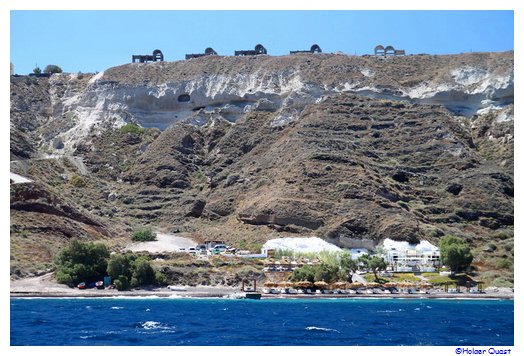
x: 352, y: 149
x: 161, y: 93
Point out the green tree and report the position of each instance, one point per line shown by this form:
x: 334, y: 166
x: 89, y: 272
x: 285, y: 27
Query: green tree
x: 348, y: 266
x: 143, y: 272
x: 455, y: 253
x: 80, y: 261
x: 129, y: 270
x: 122, y: 283
x: 121, y: 265
x: 145, y: 234
x: 364, y: 261
x: 52, y: 68
x: 377, y: 264
x: 37, y: 70
x: 326, y: 272
x: 304, y: 273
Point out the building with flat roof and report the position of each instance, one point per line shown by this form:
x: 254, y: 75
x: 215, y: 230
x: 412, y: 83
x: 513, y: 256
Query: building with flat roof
x: 404, y: 257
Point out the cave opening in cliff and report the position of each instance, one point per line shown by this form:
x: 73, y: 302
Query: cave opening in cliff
x: 183, y: 98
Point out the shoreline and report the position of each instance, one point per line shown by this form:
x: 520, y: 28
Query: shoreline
x: 45, y: 287
x: 235, y: 294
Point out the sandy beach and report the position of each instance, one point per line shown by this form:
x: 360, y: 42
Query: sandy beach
x: 45, y: 287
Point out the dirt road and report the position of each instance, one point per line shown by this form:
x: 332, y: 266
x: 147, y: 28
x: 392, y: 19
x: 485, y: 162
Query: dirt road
x: 164, y: 243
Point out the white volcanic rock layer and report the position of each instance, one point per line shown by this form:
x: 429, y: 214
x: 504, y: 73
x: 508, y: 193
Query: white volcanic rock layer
x: 464, y: 90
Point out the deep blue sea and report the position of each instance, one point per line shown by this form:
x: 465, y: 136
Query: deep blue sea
x: 350, y: 322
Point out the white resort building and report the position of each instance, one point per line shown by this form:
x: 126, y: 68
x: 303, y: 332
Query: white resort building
x: 299, y: 245
x: 404, y: 257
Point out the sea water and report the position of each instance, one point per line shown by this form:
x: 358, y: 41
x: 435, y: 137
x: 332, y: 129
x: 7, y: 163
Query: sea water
x: 350, y: 322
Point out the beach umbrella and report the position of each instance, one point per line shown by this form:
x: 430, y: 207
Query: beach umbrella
x: 304, y: 284
x: 321, y: 284
x: 410, y: 285
x: 270, y: 284
x: 340, y: 285
x: 282, y: 284
x: 390, y: 284
x: 373, y: 285
x: 355, y: 285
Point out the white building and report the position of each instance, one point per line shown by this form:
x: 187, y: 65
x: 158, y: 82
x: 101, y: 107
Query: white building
x: 299, y: 244
x: 405, y: 257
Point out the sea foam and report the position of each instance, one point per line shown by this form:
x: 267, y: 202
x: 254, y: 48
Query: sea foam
x: 321, y: 329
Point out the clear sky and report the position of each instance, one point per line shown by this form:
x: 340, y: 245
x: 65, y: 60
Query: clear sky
x: 90, y: 41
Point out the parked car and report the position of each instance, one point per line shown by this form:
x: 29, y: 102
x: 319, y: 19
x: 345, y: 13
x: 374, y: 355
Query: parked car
x: 219, y: 249
x: 192, y: 250
x: 81, y: 285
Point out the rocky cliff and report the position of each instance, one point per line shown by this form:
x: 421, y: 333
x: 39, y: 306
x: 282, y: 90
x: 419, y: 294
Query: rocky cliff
x: 352, y: 149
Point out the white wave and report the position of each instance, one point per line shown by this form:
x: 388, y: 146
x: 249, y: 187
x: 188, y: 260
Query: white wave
x: 155, y: 325
x: 117, y: 308
x: 321, y: 329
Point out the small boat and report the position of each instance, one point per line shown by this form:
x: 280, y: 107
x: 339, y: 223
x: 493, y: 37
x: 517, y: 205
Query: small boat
x: 99, y: 285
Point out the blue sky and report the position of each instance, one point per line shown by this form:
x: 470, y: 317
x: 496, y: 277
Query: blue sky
x: 90, y: 41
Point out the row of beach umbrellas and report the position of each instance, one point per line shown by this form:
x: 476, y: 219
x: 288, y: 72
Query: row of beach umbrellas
x: 343, y: 285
